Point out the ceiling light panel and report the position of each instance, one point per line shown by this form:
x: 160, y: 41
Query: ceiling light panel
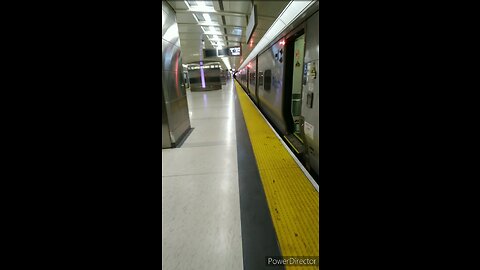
x: 215, y: 37
x: 236, y: 39
x: 205, y: 17
x: 199, y: 3
x: 200, y: 6
x: 237, y: 31
x: 214, y: 29
x: 199, y: 17
x: 211, y: 30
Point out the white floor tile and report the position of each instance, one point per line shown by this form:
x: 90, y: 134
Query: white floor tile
x: 201, y: 222
x: 199, y: 160
x: 211, y: 130
x: 215, y: 112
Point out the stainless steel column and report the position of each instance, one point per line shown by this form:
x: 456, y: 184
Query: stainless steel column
x: 175, y: 117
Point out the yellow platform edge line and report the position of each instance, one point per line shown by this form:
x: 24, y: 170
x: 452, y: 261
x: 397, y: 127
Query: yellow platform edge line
x: 291, y: 144
x: 292, y: 200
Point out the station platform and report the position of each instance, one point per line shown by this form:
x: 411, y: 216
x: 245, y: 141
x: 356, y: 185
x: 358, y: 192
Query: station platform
x: 233, y: 196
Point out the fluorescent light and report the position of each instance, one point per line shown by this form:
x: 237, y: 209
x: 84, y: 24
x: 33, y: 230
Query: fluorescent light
x: 202, y: 9
x: 237, y: 31
x: 207, y: 17
x: 294, y: 10
x: 212, y: 33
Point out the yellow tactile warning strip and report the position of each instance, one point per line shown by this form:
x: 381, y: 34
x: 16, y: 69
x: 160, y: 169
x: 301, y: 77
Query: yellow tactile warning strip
x: 292, y: 199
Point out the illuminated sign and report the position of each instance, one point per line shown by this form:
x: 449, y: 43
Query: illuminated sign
x: 203, y: 67
x: 235, y: 51
x: 230, y: 51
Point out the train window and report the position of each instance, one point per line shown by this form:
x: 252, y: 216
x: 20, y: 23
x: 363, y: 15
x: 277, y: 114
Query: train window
x: 267, y: 79
x: 260, y: 78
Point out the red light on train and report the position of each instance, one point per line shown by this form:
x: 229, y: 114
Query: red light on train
x: 282, y: 42
x: 249, y: 66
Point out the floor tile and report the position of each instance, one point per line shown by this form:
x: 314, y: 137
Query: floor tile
x: 201, y: 222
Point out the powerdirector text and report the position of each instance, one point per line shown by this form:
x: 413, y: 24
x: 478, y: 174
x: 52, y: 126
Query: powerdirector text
x: 291, y: 260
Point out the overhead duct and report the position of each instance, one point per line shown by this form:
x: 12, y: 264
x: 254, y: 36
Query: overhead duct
x: 291, y: 12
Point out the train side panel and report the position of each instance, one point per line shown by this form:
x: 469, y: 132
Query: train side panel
x: 270, y: 92
x: 275, y: 92
x: 242, y: 78
x: 252, y: 79
x: 310, y: 109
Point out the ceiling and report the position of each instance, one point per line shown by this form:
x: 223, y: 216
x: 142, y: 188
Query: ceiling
x: 221, y: 24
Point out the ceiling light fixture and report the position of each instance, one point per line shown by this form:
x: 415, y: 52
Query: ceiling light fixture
x: 199, y: 7
x: 207, y: 17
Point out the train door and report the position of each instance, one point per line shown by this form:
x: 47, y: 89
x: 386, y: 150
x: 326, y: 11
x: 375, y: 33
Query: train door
x: 296, y: 106
x: 248, y: 80
x: 294, y: 55
x: 252, y: 85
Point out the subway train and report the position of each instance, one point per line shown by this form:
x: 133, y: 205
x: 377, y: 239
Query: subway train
x: 282, y: 80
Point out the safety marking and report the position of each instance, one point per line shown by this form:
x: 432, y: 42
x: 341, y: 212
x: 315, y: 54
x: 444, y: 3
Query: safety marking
x: 259, y: 238
x: 298, y: 137
x: 292, y: 200
x: 291, y: 144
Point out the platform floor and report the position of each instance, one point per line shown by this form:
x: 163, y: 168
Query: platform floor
x: 200, y: 197
x: 217, y: 195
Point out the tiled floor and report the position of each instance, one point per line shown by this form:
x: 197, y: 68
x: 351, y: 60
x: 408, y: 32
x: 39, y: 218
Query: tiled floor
x: 200, y: 201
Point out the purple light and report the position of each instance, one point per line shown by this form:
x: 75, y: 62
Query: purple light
x: 202, y: 75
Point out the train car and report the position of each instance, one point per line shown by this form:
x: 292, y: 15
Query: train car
x: 282, y: 81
